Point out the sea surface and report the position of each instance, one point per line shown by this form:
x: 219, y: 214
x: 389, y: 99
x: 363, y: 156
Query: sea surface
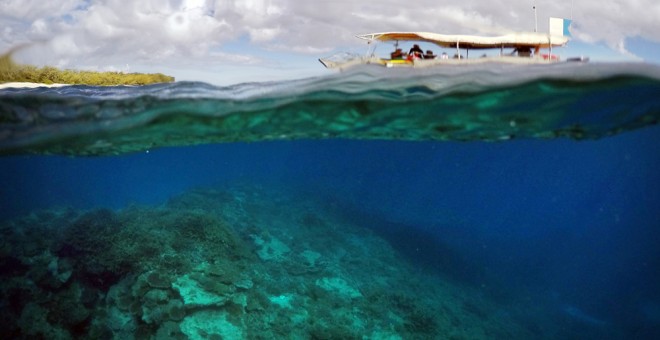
x: 453, y: 203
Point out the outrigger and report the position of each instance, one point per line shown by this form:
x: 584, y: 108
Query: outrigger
x: 527, y: 48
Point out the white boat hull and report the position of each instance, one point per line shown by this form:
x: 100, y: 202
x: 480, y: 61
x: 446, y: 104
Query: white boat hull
x: 422, y: 63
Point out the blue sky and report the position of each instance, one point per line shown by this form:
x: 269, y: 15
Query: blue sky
x: 231, y: 41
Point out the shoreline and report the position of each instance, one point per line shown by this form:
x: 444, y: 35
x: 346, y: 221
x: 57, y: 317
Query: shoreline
x: 27, y: 85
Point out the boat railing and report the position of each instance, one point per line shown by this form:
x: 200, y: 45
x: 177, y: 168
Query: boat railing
x: 341, y: 58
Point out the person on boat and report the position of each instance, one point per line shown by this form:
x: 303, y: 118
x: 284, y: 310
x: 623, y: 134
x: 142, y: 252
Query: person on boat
x: 415, y: 52
x: 398, y: 54
x: 523, y: 51
x: 429, y: 55
x: 444, y: 55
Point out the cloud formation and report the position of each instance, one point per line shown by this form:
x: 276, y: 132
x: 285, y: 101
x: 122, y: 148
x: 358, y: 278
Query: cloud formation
x: 106, y: 32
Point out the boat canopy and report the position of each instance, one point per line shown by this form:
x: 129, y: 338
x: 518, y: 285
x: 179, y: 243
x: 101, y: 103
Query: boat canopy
x: 513, y: 40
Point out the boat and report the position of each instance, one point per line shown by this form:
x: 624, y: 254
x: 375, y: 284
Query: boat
x: 514, y: 48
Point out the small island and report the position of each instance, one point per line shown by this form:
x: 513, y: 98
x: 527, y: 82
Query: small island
x: 11, y: 71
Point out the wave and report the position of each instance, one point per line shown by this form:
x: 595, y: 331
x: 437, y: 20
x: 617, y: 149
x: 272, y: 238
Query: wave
x: 488, y: 103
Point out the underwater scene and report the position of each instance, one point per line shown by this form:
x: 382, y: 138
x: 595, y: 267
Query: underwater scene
x: 466, y: 203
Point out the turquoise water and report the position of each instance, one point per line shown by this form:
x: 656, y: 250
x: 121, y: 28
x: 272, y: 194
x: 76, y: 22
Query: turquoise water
x: 463, y: 203
x: 456, y: 104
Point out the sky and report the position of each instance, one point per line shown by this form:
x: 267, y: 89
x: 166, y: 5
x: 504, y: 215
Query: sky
x: 232, y: 41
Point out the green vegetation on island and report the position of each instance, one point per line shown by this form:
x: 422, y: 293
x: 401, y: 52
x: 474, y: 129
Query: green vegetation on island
x: 11, y: 71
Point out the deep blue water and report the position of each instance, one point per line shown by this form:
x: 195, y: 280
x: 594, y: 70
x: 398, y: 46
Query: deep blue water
x: 577, y: 222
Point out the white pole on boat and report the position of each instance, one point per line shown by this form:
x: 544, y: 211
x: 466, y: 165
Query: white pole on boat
x: 536, y: 21
x: 371, y: 48
x: 458, y: 50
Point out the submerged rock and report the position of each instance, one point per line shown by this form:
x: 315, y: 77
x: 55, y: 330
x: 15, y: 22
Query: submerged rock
x: 209, y: 324
x: 194, y: 295
x: 271, y: 249
x: 158, y: 280
x: 338, y: 286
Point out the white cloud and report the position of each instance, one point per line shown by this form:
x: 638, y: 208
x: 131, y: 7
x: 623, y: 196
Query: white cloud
x: 264, y: 34
x: 36, y: 9
x: 178, y: 32
x: 236, y: 58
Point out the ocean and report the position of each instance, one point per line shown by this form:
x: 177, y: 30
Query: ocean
x: 460, y: 203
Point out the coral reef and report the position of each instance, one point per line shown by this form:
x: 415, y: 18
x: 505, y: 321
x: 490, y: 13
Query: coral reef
x: 223, y: 264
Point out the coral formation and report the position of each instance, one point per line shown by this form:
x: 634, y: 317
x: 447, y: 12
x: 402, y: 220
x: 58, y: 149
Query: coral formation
x: 222, y: 264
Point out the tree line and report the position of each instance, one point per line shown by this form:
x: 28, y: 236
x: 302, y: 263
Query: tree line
x: 11, y: 71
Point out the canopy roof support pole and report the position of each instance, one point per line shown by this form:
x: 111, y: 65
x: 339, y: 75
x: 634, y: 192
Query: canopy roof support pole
x: 458, y: 50
x: 371, y: 48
